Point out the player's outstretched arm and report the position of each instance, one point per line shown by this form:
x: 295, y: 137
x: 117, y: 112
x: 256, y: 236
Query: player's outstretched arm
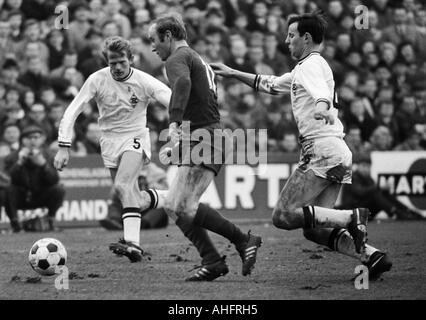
x: 263, y: 83
x: 65, y: 134
x: 223, y: 70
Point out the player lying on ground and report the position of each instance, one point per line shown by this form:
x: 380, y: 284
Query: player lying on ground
x: 309, y: 195
x: 194, y: 100
x: 122, y: 95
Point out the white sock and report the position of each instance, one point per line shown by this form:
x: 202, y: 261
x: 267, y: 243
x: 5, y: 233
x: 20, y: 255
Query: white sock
x: 326, y: 218
x: 344, y: 244
x: 132, y: 225
x: 162, y: 194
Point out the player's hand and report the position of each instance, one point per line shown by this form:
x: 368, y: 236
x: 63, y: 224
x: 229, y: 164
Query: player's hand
x: 221, y: 70
x: 324, y: 115
x: 61, y: 159
x: 165, y: 155
x: 174, y: 133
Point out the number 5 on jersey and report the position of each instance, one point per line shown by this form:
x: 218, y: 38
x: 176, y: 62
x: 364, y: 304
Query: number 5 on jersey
x: 136, y: 143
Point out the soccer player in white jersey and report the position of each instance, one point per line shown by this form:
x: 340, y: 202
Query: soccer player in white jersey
x: 122, y: 94
x: 310, y: 193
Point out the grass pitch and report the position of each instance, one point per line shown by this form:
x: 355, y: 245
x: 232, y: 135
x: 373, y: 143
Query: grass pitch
x: 288, y: 267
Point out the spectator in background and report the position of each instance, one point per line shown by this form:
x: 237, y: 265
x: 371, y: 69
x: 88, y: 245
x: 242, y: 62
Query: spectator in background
x: 111, y: 12
x: 11, y: 136
x: 37, y: 116
x: 255, y: 58
x: 357, y: 116
x: 273, y: 57
x: 354, y: 140
x: 5, y: 42
x: 407, y: 116
x: 380, y: 139
x: 69, y: 61
x: 411, y: 143
x: 386, y: 118
x: 10, y: 74
x: 399, y: 30
x: 34, y: 180
x: 238, y: 58
x: 257, y: 17
x: 289, y: 143
x: 54, y: 115
x: 372, y: 34
x: 14, y: 115
x: 364, y: 193
x: 35, y: 77
x: 32, y: 34
x: 58, y: 46
x: 79, y: 27
x: 91, y: 141
x: 335, y: 13
x: 91, y: 58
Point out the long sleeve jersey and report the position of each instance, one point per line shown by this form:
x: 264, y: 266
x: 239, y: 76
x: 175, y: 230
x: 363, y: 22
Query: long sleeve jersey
x: 309, y: 82
x: 122, y: 104
x: 193, y: 86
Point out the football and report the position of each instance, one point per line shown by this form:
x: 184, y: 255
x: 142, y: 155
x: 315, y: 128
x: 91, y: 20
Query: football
x: 47, y: 255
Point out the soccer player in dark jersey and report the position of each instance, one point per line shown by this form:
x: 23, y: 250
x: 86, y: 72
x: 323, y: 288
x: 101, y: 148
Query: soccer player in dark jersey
x: 194, y: 101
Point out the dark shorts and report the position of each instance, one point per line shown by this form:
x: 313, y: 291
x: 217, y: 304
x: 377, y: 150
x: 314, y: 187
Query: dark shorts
x: 207, y: 147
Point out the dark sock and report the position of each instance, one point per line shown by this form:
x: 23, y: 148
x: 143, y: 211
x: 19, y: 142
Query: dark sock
x: 200, y: 239
x: 210, y: 219
x: 309, y: 215
x: 333, y: 240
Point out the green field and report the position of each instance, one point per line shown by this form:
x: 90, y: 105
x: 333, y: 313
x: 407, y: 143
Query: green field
x: 289, y: 267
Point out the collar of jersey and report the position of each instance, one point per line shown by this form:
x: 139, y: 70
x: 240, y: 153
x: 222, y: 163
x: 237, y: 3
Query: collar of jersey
x: 128, y: 76
x: 306, y: 57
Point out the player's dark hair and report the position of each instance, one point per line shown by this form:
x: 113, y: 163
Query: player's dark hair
x: 313, y: 23
x: 172, y: 22
x: 118, y: 45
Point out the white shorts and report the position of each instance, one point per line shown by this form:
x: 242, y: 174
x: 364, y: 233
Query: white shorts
x: 322, y: 154
x: 113, y: 145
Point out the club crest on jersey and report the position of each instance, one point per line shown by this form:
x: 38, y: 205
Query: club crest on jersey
x: 133, y: 99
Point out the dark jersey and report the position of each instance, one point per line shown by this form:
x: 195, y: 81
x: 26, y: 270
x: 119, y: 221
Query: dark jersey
x: 193, y: 87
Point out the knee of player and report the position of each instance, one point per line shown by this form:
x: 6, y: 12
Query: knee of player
x: 180, y: 209
x: 281, y: 219
x: 121, y: 188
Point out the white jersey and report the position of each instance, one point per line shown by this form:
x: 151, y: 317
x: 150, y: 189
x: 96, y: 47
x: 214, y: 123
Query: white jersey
x: 122, y: 104
x: 309, y: 82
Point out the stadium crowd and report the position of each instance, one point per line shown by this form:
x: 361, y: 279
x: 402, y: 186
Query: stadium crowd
x: 380, y: 67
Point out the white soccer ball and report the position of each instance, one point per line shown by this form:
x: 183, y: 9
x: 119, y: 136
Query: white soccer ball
x: 47, y: 256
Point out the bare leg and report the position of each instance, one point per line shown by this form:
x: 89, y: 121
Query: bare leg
x: 301, y: 189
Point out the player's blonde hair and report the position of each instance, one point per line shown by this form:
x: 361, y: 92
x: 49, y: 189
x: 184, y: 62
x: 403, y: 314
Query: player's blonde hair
x: 117, y: 44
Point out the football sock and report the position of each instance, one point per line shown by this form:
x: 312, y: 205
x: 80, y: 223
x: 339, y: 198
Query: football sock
x: 341, y: 241
x: 131, y: 224
x: 157, y: 198
x: 200, y: 239
x: 326, y: 218
x: 210, y: 219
